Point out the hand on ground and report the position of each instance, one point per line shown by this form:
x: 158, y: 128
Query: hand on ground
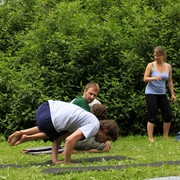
x: 108, y: 146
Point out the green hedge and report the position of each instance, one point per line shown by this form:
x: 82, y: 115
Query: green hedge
x: 50, y: 49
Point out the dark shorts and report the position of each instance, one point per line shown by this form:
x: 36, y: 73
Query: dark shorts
x: 44, y: 122
x: 156, y: 102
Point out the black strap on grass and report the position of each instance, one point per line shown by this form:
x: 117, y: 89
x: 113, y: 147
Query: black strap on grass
x: 89, y: 160
x: 65, y: 170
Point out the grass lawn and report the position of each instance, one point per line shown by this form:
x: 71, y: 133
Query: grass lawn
x: 136, y: 147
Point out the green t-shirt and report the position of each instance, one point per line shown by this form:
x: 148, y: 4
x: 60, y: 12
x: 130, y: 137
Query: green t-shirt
x: 80, y: 101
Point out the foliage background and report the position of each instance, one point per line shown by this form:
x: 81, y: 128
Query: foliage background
x: 50, y: 49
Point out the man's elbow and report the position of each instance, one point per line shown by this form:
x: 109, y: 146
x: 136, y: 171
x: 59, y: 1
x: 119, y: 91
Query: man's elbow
x: 69, y: 139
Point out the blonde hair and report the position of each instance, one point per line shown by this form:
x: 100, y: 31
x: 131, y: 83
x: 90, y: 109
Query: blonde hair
x: 93, y: 85
x: 161, y: 51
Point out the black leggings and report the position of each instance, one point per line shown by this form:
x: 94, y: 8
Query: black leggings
x: 155, y: 102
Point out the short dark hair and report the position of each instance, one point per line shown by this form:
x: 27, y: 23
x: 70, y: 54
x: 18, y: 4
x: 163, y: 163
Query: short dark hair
x: 100, y: 111
x: 112, y: 127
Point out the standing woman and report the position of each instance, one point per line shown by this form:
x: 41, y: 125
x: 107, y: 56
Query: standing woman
x: 156, y: 75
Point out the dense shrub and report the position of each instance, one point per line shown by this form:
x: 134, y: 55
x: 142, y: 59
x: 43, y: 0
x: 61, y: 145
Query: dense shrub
x: 51, y: 49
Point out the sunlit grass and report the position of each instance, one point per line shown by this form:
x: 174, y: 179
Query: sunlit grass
x: 136, y: 147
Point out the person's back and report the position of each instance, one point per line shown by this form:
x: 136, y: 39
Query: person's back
x: 67, y: 116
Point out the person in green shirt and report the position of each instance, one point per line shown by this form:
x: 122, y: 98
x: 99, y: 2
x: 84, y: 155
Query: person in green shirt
x: 90, y: 93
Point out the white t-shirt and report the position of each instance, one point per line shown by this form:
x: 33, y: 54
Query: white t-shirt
x: 95, y: 101
x: 70, y: 117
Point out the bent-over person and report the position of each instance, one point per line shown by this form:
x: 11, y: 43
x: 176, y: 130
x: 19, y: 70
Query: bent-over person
x: 58, y: 120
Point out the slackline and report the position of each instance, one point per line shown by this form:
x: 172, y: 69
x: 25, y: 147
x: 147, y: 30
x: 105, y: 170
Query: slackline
x: 64, y: 170
x: 90, y: 160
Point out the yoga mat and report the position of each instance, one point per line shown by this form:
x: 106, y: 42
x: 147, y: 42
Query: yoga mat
x: 46, y: 148
x: 105, y: 168
x: 41, y: 150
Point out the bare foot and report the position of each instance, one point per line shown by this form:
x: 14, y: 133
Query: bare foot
x: 151, y: 140
x: 21, y: 140
x: 166, y: 137
x: 61, y: 162
x: 13, y: 138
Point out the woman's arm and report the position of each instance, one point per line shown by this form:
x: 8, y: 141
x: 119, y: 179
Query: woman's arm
x: 170, y: 84
x: 147, y: 75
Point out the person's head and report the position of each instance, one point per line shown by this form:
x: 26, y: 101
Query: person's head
x: 91, y: 91
x: 109, y: 131
x: 100, y: 111
x: 160, y: 54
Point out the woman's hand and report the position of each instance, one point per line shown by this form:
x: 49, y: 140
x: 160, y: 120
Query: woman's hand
x: 173, y: 98
x: 157, y: 78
